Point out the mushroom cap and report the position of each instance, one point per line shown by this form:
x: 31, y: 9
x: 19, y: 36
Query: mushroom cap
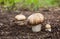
x: 48, y: 26
x: 36, y: 18
x: 20, y: 17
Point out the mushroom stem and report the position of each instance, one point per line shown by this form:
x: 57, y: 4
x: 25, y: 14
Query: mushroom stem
x: 36, y: 28
x: 48, y: 29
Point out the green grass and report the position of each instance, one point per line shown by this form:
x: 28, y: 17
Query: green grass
x: 29, y: 4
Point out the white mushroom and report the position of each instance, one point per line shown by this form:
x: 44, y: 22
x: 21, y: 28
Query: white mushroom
x: 20, y: 17
x: 48, y: 27
x: 36, y: 18
x: 36, y: 28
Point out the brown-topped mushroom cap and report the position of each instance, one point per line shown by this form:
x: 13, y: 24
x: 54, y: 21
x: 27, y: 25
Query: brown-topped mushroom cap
x: 36, y: 18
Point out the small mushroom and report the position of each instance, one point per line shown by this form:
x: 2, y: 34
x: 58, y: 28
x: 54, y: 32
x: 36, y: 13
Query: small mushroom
x: 48, y: 27
x: 36, y: 20
x: 20, y: 17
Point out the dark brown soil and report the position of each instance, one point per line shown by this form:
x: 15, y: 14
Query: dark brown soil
x: 10, y: 30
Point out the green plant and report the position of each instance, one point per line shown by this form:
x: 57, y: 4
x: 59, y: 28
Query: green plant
x: 35, y: 4
x: 8, y: 3
x: 1, y: 1
x: 29, y: 4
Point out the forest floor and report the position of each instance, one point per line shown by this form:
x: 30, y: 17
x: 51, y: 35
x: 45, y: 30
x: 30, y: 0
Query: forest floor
x: 9, y: 30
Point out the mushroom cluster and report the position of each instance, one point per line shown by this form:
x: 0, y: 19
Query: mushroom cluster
x: 34, y: 20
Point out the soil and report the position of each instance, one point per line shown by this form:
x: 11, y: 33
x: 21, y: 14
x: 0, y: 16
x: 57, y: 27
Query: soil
x: 10, y: 30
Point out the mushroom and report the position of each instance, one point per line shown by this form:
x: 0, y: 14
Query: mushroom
x: 20, y: 17
x: 36, y: 19
x: 48, y: 27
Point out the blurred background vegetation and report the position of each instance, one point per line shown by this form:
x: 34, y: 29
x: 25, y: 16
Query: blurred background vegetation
x: 29, y: 4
